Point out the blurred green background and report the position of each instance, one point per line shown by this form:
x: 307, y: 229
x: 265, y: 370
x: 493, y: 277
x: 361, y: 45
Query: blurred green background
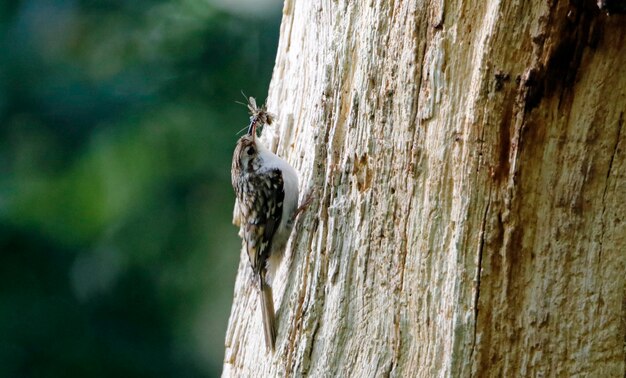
x: 117, y: 124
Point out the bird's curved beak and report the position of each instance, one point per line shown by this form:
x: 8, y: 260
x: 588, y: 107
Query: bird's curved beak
x: 252, y: 127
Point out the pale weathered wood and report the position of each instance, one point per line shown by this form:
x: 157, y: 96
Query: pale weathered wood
x: 470, y: 217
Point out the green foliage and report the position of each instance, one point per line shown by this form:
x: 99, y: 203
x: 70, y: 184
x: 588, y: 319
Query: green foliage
x: 117, y: 123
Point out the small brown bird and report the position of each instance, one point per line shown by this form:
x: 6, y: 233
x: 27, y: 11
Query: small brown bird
x: 267, y: 192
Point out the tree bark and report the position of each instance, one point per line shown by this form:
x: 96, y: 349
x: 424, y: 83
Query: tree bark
x: 470, y: 214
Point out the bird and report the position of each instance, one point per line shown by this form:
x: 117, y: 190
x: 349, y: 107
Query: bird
x: 267, y: 190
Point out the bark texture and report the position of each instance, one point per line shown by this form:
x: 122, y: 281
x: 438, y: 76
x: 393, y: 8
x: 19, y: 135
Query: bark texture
x: 470, y: 213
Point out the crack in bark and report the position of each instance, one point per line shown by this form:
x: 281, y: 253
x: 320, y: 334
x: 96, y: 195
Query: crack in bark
x: 620, y: 124
x: 404, y: 253
x: 307, y: 358
x: 478, y: 272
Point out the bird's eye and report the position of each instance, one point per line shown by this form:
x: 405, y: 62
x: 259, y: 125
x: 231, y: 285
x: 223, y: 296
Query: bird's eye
x: 250, y: 151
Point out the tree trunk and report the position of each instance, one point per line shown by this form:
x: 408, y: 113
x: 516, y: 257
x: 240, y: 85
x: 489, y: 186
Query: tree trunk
x: 470, y: 213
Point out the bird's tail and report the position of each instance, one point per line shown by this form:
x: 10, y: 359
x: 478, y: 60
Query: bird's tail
x: 267, y: 312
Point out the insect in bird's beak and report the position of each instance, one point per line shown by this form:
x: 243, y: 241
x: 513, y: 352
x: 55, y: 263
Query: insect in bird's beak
x: 254, y: 117
x: 258, y: 116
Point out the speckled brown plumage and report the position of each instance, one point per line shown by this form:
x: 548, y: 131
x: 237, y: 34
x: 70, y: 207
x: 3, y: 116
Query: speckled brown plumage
x: 260, y: 198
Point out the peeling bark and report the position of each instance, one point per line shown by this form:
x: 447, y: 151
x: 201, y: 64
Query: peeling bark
x: 468, y: 164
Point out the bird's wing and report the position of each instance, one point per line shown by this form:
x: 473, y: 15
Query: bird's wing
x: 264, y: 199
